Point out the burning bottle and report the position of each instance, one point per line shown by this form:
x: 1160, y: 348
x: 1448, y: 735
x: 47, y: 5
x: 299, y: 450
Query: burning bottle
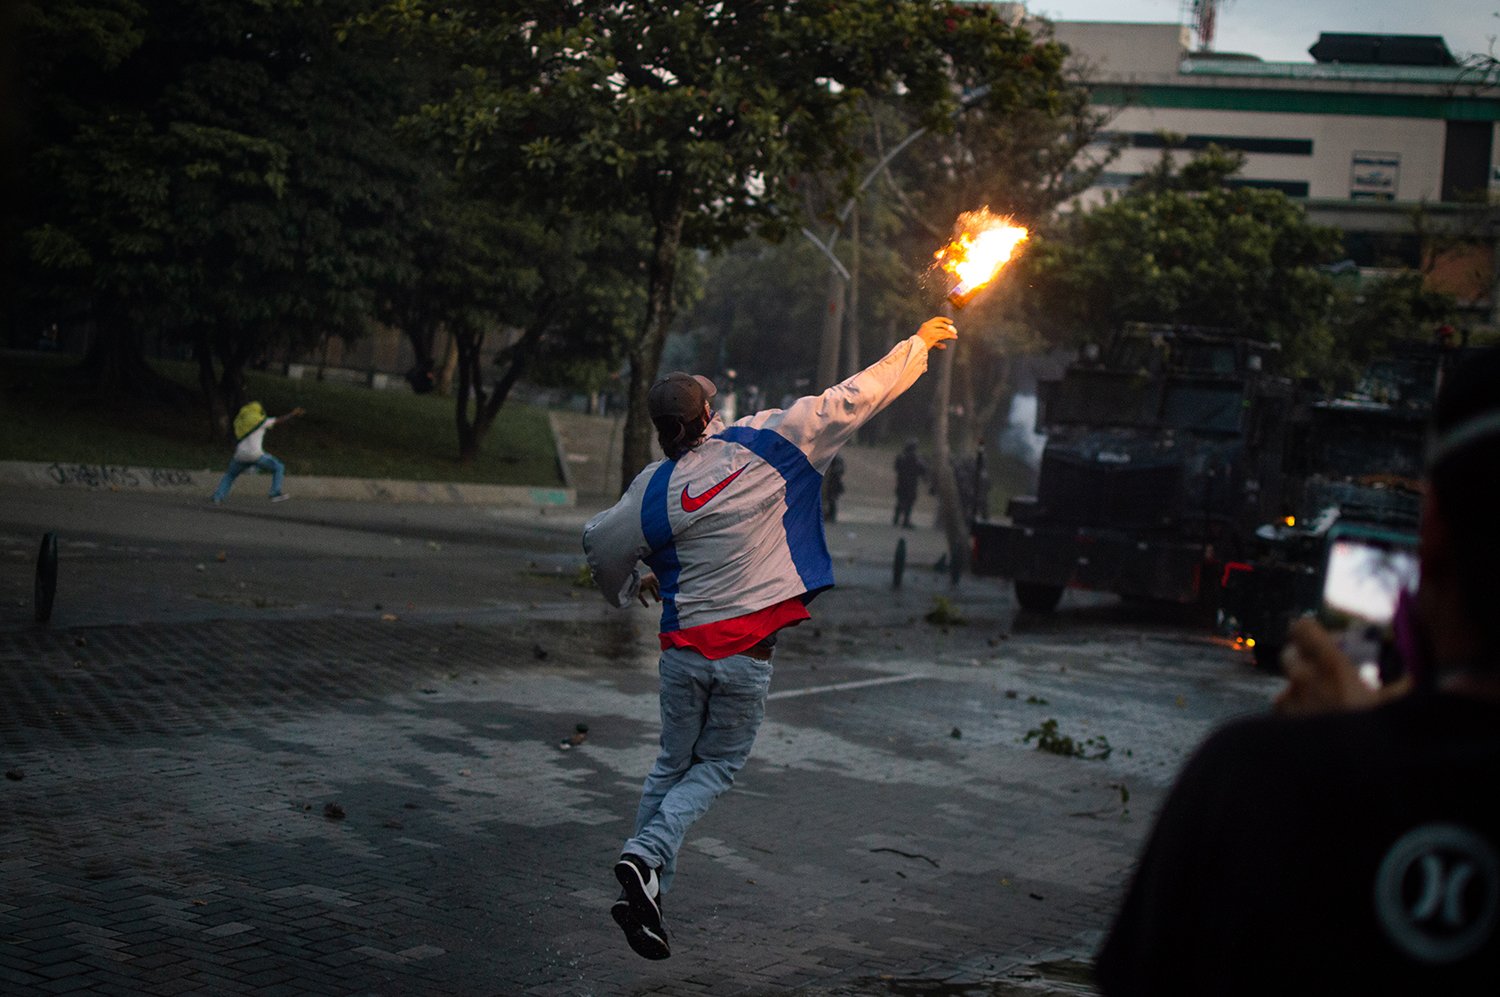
x: 983, y: 243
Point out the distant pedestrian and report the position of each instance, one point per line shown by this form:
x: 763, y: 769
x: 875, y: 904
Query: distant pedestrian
x: 730, y: 530
x: 833, y: 487
x: 981, y: 484
x: 973, y: 483
x: 910, y: 470
x: 250, y: 427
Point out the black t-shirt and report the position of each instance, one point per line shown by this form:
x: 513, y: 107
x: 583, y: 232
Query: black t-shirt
x: 1351, y: 853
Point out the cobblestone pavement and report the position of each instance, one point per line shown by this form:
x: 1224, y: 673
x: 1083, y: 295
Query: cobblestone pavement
x: 262, y: 783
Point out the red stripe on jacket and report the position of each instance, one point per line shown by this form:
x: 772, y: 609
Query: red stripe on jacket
x: 724, y: 638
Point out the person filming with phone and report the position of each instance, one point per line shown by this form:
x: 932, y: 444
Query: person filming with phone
x: 1351, y: 844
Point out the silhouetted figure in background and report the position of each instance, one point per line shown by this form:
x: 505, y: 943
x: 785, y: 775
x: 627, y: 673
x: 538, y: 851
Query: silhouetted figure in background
x: 973, y: 482
x: 973, y: 486
x: 910, y: 470
x: 833, y: 487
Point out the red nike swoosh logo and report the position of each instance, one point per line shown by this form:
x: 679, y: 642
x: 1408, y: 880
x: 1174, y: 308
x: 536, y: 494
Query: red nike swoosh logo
x: 692, y: 503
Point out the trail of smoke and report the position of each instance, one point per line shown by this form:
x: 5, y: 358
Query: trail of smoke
x: 1019, y: 438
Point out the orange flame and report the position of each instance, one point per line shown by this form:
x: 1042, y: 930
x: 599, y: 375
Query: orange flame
x: 984, y: 242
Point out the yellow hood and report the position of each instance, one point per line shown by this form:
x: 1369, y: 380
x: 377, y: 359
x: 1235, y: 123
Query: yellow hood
x: 249, y: 417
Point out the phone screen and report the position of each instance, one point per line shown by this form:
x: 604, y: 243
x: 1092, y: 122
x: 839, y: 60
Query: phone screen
x: 1365, y: 575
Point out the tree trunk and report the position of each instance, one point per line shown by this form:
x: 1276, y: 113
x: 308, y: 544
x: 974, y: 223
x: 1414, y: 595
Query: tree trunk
x: 114, y: 369
x: 997, y: 393
x: 423, y: 339
x: 833, y: 328
x: 219, y: 424
x: 645, y: 352
x: 223, y: 393
x: 965, y: 377
x: 852, y: 364
x: 726, y: 328
x: 470, y: 391
x: 635, y: 444
x: 517, y: 359
x: 450, y: 366
x: 468, y: 445
x: 949, y: 513
x: 233, y: 356
x: 323, y: 345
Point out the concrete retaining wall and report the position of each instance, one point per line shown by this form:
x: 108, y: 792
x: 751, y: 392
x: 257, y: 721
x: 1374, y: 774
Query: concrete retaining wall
x: 68, y: 474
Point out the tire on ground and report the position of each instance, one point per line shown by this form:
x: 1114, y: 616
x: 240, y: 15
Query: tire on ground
x: 1037, y: 597
x: 46, y: 578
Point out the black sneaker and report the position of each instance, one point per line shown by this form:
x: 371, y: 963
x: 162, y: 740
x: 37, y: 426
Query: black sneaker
x: 644, y: 944
x: 638, y: 911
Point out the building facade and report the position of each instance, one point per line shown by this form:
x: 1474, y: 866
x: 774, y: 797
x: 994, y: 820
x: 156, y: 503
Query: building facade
x: 1384, y: 137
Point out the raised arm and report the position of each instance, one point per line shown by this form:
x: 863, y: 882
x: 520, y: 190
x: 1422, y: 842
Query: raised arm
x: 820, y: 424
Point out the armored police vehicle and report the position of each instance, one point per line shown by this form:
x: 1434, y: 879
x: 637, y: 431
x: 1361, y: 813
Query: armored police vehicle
x: 1163, y: 452
x: 1353, y: 461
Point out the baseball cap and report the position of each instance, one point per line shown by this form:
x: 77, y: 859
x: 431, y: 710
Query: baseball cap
x: 680, y: 396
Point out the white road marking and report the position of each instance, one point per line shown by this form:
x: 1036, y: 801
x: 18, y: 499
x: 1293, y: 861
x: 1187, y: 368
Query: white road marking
x: 841, y: 686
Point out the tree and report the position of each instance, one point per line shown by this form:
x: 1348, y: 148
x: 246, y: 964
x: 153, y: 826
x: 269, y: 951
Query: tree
x: 761, y: 302
x: 218, y: 171
x: 1371, y: 315
x: 1021, y: 163
x: 87, y: 210
x: 1186, y: 247
x: 562, y: 290
x: 698, y: 115
x: 1020, y: 160
x: 476, y: 261
x: 298, y: 256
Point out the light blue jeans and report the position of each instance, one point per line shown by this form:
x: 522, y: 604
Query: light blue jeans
x: 239, y: 467
x: 710, y: 712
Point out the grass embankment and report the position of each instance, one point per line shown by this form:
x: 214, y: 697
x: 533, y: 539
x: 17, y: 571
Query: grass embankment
x: 348, y: 431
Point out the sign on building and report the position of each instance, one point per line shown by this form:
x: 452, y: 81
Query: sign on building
x: 1374, y: 176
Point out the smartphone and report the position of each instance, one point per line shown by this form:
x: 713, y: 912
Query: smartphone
x: 1364, y: 575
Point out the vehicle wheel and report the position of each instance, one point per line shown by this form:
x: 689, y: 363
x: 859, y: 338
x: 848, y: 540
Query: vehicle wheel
x: 1036, y: 597
x: 46, y: 578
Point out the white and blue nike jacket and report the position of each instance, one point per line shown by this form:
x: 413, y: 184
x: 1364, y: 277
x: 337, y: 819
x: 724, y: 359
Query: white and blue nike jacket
x: 735, y: 525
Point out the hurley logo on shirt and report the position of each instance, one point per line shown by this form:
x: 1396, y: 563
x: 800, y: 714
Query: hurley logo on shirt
x: 1437, y: 893
x: 692, y: 503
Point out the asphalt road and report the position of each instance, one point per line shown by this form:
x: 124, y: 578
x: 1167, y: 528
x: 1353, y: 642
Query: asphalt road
x: 314, y: 748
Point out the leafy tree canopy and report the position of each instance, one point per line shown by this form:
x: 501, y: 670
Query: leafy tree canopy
x: 1369, y: 316
x: 1187, y: 248
x: 218, y: 171
x: 698, y: 115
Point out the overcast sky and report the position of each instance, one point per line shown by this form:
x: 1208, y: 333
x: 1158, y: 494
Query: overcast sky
x: 1283, y: 30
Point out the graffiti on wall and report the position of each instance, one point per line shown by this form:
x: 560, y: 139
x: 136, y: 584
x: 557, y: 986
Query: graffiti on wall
x: 105, y: 476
